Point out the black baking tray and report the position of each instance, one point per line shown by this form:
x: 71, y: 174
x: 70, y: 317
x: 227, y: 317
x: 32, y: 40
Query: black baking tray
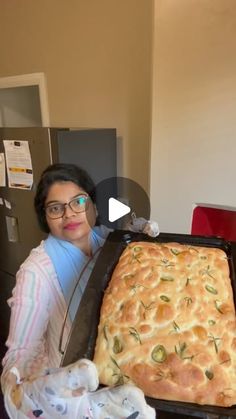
x: 82, y: 338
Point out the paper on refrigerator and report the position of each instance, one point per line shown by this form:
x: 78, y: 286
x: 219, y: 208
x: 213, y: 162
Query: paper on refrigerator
x: 19, y: 164
x: 2, y: 170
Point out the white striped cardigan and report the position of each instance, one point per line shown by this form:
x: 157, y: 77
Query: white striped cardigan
x: 37, y: 312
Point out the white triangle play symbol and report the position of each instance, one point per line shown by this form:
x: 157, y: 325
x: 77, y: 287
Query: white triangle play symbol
x: 116, y: 209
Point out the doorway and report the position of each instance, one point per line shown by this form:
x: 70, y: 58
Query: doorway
x: 23, y: 101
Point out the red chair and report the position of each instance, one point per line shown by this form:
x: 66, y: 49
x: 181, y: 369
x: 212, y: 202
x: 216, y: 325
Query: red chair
x: 214, y: 221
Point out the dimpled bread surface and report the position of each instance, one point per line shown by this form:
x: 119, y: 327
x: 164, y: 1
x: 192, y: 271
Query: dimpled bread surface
x: 167, y: 324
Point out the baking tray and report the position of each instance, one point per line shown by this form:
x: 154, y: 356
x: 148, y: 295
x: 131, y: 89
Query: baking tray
x: 82, y: 338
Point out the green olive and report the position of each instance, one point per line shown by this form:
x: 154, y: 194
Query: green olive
x: 159, y: 354
x: 167, y: 278
x: 165, y: 298
x: 210, y: 289
x: 175, y: 252
x: 117, y: 346
x: 137, y: 248
x: 209, y: 374
x: 128, y: 276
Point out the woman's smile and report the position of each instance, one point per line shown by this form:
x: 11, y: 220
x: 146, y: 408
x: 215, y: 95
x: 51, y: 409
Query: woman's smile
x: 72, y: 226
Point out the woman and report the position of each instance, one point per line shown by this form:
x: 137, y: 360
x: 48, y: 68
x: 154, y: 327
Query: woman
x: 46, y: 284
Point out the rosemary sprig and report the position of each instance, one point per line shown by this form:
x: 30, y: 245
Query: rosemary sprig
x: 166, y: 263
x: 176, y: 326
x: 135, y: 287
x: 133, y: 332
x: 224, y: 362
x: 188, y: 300
x: 114, y: 362
x: 180, y: 351
x: 120, y: 377
x: 215, y: 341
x: 148, y: 306
x: 207, y: 271
x: 193, y: 248
x: 188, y: 281
x: 136, y: 253
x: 218, y: 305
x: 136, y: 258
x: 105, y: 328
x: 160, y: 374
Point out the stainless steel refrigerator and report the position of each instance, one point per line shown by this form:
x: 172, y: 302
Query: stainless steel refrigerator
x: 92, y: 149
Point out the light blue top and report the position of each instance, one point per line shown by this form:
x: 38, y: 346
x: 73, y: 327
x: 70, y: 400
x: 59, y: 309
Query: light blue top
x: 69, y: 261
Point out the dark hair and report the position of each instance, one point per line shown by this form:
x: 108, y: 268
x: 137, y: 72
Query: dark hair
x: 60, y: 172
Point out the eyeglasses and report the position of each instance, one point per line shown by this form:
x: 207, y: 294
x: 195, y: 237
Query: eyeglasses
x: 77, y: 204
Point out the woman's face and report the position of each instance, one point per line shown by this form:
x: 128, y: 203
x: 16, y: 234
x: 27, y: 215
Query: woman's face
x: 73, y: 227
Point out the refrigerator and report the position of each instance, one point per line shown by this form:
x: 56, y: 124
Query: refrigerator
x: 92, y: 149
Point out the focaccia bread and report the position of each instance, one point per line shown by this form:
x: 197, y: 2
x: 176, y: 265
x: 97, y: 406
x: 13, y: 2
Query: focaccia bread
x: 168, y: 325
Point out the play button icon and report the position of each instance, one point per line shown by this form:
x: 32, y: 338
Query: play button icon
x: 117, y: 209
x: 116, y: 199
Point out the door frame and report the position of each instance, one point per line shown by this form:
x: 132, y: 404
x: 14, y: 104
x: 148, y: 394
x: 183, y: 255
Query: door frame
x: 33, y: 79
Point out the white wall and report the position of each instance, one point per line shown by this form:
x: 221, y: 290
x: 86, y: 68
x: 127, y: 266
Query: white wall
x: 97, y: 59
x: 193, y: 150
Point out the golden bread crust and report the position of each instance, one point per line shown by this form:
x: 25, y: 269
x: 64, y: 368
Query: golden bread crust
x: 168, y: 324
